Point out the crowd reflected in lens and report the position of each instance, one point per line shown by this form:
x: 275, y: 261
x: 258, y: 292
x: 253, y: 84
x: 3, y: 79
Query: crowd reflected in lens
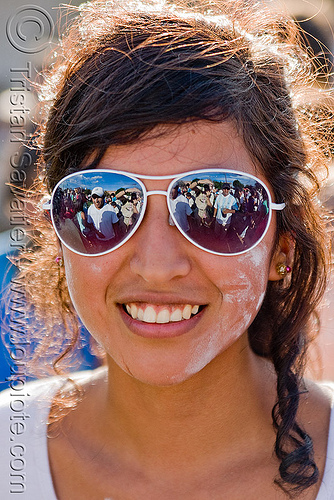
x: 95, y: 219
x: 220, y: 211
x: 225, y: 213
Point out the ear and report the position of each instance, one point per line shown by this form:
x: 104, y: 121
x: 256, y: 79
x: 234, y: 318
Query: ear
x: 283, y: 254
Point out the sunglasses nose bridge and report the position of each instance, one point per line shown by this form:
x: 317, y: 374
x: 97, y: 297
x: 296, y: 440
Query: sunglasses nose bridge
x: 161, y: 192
x: 156, y: 191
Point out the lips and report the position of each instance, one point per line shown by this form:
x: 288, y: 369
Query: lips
x: 173, y: 323
x: 160, y: 313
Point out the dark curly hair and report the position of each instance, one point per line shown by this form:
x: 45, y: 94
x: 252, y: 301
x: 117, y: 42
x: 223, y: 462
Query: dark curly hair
x: 126, y: 68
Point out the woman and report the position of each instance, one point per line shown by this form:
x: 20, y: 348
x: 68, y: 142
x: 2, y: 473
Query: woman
x: 202, y: 394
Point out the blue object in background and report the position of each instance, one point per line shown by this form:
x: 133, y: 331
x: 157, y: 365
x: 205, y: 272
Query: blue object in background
x: 8, y: 274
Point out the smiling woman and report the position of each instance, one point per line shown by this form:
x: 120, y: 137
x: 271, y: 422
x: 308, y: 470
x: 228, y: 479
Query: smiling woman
x: 182, y: 151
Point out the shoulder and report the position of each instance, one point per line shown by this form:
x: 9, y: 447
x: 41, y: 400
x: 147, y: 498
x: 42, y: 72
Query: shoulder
x: 322, y: 404
x: 327, y: 389
x: 22, y: 403
x: 30, y: 390
x: 24, y: 414
x: 35, y: 396
x: 24, y: 410
x: 317, y: 400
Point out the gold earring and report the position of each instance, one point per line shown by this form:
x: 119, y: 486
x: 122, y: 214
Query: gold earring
x: 282, y: 269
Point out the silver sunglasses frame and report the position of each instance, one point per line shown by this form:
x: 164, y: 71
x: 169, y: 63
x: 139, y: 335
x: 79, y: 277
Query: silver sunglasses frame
x: 146, y: 194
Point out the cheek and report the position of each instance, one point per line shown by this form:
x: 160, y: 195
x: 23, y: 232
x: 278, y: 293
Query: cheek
x: 250, y: 283
x: 237, y: 286
x: 73, y: 278
x: 85, y: 279
x: 243, y: 279
x: 242, y: 288
x: 250, y: 280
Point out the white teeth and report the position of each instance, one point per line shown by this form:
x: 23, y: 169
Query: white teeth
x: 150, y: 316
x: 187, y: 311
x: 194, y: 309
x: 176, y: 315
x: 150, y: 313
x: 134, y: 310
x: 163, y: 316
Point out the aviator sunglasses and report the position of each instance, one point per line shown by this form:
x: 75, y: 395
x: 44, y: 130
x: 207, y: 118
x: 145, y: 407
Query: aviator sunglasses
x: 221, y: 211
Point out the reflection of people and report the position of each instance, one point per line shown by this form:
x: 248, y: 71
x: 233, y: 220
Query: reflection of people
x: 180, y: 208
x: 225, y: 205
x: 202, y: 394
x: 102, y: 216
x: 81, y: 217
x: 130, y: 211
x: 190, y: 199
x: 202, y: 206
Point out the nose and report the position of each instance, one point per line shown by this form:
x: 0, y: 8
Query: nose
x: 160, y: 251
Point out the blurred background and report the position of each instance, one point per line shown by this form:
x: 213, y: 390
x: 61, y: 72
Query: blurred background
x: 28, y: 34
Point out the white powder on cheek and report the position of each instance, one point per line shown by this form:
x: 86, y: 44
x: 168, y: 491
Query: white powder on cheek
x: 239, y: 285
x: 95, y: 269
x: 209, y: 348
x: 242, y: 283
x: 205, y: 352
x: 231, y: 278
x: 246, y: 291
x: 260, y: 300
x: 257, y: 256
x: 243, y: 323
x: 257, y: 260
x: 218, y: 341
x: 239, y: 295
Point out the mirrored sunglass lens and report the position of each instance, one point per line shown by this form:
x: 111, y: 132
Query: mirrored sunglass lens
x: 95, y: 211
x: 223, y: 212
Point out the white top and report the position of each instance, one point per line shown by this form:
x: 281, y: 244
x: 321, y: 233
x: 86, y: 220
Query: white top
x: 103, y: 219
x: 181, y: 209
x: 24, y: 462
x: 224, y: 202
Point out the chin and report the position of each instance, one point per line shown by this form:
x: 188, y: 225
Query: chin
x: 166, y: 371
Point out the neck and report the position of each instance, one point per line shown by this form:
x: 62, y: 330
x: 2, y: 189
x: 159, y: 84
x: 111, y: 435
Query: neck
x: 224, y: 405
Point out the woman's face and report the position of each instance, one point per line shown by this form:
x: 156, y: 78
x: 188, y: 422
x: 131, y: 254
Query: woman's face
x: 159, y: 271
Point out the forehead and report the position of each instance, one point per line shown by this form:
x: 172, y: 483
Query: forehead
x: 181, y: 149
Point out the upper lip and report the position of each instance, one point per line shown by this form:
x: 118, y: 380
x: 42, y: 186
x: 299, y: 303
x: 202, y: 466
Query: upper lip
x: 159, y: 299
